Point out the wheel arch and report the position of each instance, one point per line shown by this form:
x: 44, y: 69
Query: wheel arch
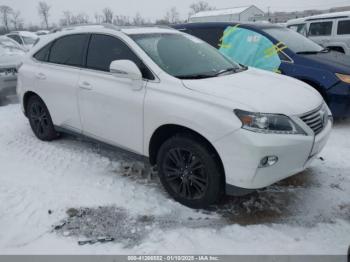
x: 25, y: 100
x: 164, y: 132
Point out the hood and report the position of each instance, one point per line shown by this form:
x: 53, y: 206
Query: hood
x: 261, y: 91
x: 334, y: 61
x: 10, y: 60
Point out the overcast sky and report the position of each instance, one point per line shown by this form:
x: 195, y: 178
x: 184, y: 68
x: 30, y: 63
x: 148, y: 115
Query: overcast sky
x: 153, y: 9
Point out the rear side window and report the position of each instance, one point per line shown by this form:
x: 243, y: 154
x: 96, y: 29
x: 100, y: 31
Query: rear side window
x: 210, y: 35
x: 344, y: 27
x: 69, y: 50
x: 43, y: 54
x: 104, y: 49
x: 320, y: 29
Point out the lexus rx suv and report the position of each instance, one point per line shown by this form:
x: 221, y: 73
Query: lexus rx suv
x: 209, y: 125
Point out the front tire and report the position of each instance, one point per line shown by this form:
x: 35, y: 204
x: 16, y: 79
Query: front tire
x: 40, y: 119
x: 189, y: 171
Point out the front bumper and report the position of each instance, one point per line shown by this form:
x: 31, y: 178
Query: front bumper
x: 242, y: 151
x: 338, y: 100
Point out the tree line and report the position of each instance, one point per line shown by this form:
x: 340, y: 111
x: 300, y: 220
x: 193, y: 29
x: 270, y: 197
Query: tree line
x: 11, y: 19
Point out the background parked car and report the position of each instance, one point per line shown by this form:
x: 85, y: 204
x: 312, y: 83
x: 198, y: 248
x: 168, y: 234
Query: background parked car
x: 279, y: 49
x: 11, y: 55
x: 24, y: 38
x: 42, y: 32
x: 329, y: 30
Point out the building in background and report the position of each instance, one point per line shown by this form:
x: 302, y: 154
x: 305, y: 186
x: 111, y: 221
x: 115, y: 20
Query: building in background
x: 245, y: 14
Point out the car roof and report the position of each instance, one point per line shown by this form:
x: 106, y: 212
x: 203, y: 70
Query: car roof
x: 253, y: 26
x: 335, y: 15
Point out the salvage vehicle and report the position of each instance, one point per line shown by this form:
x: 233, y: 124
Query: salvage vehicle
x: 279, y: 49
x: 24, y: 38
x: 209, y: 125
x: 330, y: 30
x: 11, y: 55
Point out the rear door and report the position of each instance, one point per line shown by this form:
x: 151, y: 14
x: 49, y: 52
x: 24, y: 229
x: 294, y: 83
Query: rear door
x: 57, y: 79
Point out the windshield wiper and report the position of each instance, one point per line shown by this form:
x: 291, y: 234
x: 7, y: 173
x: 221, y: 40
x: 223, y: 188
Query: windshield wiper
x: 228, y: 70
x: 195, y: 76
x: 324, y: 50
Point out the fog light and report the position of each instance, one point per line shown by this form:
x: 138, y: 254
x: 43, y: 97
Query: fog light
x: 268, y: 161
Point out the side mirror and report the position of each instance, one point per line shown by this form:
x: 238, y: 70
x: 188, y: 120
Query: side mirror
x: 125, y: 69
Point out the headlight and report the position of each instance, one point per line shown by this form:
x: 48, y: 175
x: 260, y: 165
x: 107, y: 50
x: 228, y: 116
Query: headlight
x: 344, y: 78
x: 268, y: 123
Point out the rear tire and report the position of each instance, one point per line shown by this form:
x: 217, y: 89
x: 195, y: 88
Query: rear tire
x: 40, y: 119
x: 189, y: 171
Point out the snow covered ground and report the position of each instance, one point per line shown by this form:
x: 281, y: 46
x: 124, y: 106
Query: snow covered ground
x: 305, y: 214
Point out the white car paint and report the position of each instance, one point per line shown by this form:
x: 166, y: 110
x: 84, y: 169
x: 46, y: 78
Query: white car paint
x: 109, y: 108
x: 334, y: 39
x: 11, y: 55
x: 24, y: 38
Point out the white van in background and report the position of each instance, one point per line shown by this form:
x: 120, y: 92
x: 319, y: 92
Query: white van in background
x: 329, y: 30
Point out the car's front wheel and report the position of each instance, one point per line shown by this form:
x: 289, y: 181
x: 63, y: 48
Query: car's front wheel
x: 40, y: 119
x: 190, y: 172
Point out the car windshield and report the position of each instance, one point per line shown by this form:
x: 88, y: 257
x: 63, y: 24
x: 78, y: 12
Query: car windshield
x: 295, y: 41
x: 184, y: 56
x: 8, y: 46
x: 29, y: 40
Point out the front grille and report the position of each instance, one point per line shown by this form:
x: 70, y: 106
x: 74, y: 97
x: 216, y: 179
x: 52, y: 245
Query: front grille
x: 316, y: 119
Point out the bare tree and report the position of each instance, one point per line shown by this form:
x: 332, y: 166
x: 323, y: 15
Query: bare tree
x: 121, y: 20
x: 67, y: 18
x: 43, y: 10
x: 200, y: 6
x: 16, y: 20
x: 138, y: 20
x: 80, y: 18
x: 172, y: 16
x: 5, y: 13
x: 98, y: 18
x: 107, y: 15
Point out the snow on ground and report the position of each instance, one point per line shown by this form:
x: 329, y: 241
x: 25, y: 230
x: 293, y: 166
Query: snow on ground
x: 305, y: 214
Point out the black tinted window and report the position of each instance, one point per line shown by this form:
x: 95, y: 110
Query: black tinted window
x: 320, y: 28
x: 104, y: 49
x: 344, y: 27
x: 43, y: 53
x: 69, y: 50
x: 210, y: 35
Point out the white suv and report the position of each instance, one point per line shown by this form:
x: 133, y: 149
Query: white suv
x: 210, y: 125
x: 329, y: 30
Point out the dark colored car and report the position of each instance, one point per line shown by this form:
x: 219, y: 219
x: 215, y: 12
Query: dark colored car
x: 282, y: 50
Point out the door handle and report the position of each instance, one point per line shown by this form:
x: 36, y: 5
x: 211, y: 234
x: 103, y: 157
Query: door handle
x: 85, y: 85
x: 40, y: 76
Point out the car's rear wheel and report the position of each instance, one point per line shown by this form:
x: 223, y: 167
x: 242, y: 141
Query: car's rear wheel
x: 189, y: 171
x: 40, y: 119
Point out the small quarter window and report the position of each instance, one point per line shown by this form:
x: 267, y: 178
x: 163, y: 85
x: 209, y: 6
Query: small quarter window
x: 43, y: 54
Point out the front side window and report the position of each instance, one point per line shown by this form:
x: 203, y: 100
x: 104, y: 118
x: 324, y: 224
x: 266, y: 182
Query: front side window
x: 69, y: 50
x: 320, y: 29
x: 344, y: 27
x: 29, y: 40
x: 210, y: 35
x: 184, y: 56
x: 295, y: 41
x: 104, y: 49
